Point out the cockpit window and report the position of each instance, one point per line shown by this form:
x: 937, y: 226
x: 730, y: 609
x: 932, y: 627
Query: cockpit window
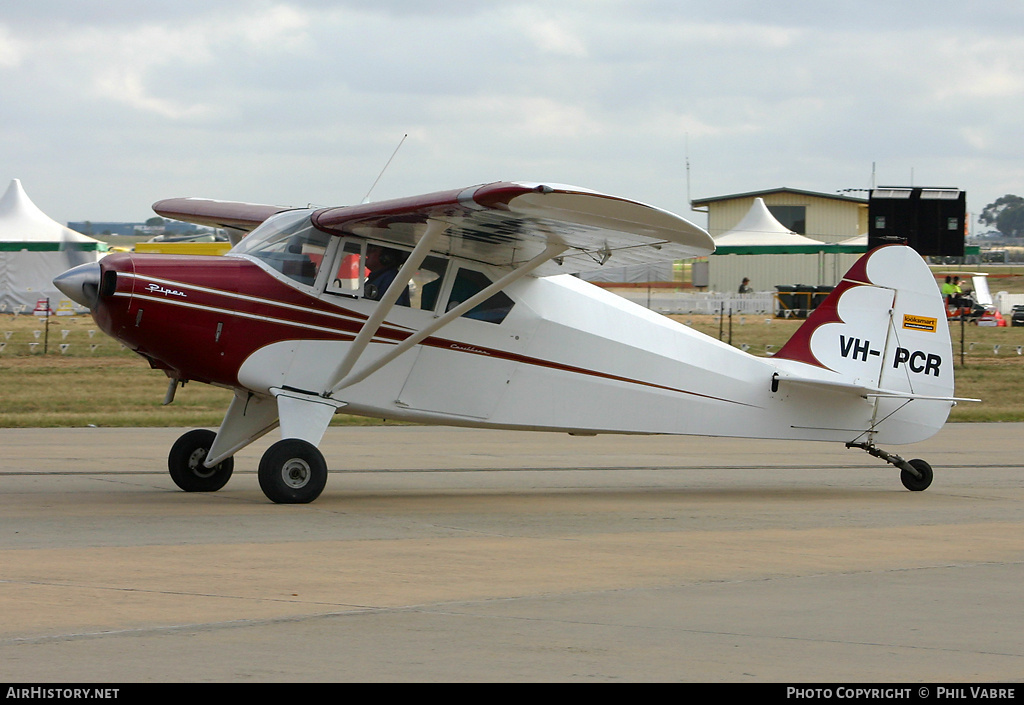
x: 289, y: 243
x: 368, y: 270
x: 348, y: 269
x: 383, y: 264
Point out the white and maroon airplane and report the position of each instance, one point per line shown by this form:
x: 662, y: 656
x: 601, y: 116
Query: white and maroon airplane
x: 469, y: 316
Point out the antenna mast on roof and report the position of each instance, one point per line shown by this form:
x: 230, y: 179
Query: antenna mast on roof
x: 687, y: 150
x: 366, y: 198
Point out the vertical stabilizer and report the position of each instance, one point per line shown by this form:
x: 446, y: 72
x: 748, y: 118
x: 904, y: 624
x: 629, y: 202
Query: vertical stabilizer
x: 882, y: 334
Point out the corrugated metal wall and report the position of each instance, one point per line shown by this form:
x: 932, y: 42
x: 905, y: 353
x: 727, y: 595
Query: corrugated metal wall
x: 767, y: 271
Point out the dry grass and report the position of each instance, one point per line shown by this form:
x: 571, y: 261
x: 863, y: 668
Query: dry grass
x: 94, y: 381
x: 54, y: 390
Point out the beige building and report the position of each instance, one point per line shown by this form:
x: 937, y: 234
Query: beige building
x: 826, y: 218
x: 820, y: 216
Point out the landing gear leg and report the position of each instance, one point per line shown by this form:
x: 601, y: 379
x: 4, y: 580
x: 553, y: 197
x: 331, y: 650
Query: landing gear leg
x: 916, y: 474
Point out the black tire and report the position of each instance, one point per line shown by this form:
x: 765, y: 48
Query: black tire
x: 917, y: 484
x: 292, y: 471
x: 185, y: 463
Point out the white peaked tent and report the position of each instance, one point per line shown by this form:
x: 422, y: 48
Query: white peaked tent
x: 759, y: 228
x: 770, y: 254
x: 33, y: 250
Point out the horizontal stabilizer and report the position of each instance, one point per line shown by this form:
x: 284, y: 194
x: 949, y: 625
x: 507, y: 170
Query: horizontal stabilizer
x: 865, y: 391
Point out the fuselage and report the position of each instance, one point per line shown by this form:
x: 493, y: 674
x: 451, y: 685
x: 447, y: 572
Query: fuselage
x: 567, y: 356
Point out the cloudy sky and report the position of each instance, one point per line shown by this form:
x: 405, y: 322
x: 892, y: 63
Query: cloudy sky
x: 108, y: 106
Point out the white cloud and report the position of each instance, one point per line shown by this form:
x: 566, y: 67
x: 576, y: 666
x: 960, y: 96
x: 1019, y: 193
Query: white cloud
x: 11, y: 50
x: 528, y: 117
x: 126, y: 84
x: 128, y: 65
x: 551, y: 36
x: 281, y: 26
x: 292, y: 100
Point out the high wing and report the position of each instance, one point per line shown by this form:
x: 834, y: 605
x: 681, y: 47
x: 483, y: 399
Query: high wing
x: 234, y: 217
x: 508, y: 224
x: 503, y: 224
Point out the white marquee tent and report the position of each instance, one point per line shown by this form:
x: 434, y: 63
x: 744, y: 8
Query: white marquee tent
x: 33, y: 250
x: 770, y: 254
x: 759, y: 228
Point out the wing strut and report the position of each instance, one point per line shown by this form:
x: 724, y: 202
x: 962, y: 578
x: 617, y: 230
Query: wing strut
x: 549, y: 253
x: 435, y: 229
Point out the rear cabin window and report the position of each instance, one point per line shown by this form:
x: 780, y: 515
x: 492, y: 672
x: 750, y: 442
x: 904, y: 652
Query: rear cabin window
x: 468, y: 283
x: 427, y: 283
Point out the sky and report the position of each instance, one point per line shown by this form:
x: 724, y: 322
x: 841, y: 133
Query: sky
x: 107, y: 107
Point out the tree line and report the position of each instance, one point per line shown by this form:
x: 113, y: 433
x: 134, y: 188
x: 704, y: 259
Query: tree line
x: 1005, y: 214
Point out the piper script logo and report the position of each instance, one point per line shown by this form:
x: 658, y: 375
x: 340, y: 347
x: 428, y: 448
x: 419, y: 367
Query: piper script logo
x: 920, y: 323
x: 157, y: 289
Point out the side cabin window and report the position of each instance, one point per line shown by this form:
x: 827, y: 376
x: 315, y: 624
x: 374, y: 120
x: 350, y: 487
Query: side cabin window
x: 349, y: 273
x: 288, y: 243
x: 382, y: 265
x: 368, y: 270
x: 468, y: 283
x: 428, y: 282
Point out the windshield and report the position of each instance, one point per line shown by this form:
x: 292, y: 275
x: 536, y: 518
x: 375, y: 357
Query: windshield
x: 288, y: 243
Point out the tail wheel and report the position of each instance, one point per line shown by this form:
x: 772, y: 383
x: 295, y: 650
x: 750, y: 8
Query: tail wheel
x: 917, y: 484
x: 185, y: 463
x: 292, y: 471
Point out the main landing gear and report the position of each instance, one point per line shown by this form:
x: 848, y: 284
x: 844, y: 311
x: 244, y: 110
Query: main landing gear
x: 292, y: 471
x: 185, y: 463
x: 916, y: 474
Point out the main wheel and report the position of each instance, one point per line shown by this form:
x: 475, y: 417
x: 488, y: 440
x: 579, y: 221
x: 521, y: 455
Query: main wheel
x: 185, y: 463
x: 292, y: 471
x: 916, y: 484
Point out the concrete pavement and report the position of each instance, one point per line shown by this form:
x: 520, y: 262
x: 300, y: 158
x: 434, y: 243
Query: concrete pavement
x: 441, y: 554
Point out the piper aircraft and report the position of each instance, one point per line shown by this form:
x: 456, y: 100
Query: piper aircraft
x: 460, y: 308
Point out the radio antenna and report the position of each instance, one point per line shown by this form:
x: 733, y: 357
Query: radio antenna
x: 687, y: 143
x: 366, y: 198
